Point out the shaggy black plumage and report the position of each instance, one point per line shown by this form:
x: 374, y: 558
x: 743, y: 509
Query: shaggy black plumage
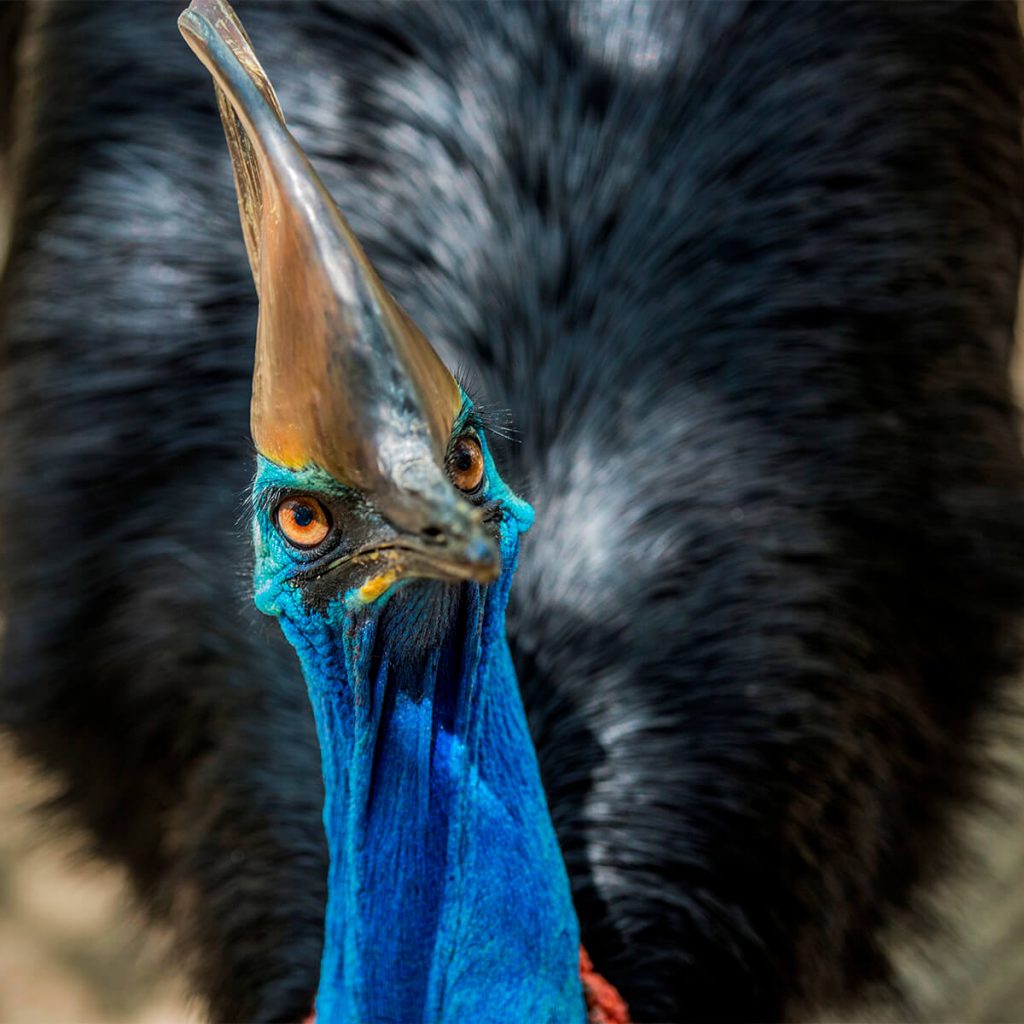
x: 745, y: 278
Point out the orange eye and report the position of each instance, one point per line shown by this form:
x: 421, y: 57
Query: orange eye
x: 466, y: 464
x: 303, y: 522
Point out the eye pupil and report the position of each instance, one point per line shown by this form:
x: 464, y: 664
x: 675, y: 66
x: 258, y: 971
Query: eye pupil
x: 303, y: 515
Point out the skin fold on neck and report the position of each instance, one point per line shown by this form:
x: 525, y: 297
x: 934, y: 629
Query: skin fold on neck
x: 448, y: 897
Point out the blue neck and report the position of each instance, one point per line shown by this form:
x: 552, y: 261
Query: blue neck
x: 448, y: 897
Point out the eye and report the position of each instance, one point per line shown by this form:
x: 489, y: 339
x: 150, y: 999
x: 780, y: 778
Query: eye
x: 466, y: 464
x: 303, y: 521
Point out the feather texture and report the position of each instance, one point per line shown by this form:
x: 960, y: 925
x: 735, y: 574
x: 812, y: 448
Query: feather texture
x: 745, y: 277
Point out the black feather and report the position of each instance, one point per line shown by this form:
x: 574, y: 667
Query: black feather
x: 745, y: 277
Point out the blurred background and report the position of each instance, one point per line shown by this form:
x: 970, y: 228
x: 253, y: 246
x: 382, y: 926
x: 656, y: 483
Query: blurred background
x: 72, y: 947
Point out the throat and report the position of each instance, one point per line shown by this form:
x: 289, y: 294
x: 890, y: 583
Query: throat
x: 448, y: 898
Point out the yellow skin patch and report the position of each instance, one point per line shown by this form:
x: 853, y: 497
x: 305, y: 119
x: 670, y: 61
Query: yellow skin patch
x: 376, y: 585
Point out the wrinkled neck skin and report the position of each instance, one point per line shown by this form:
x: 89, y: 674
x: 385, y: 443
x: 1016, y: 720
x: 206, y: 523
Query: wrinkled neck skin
x: 448, y: 897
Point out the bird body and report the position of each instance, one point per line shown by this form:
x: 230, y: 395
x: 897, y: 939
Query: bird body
x: 744, y: 277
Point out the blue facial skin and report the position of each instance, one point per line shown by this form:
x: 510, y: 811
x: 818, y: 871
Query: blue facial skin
x: 448, y: 897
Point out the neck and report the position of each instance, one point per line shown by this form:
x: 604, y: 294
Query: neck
x: 448, y: 898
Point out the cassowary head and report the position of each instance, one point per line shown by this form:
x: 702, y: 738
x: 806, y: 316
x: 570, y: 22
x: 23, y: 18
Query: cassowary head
x: 385, y: 542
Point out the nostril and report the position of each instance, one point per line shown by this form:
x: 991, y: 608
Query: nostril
x: 434, y: 534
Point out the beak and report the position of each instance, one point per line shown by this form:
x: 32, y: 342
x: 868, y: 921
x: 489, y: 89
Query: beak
x: 343, y: 378
x: 380, y: 565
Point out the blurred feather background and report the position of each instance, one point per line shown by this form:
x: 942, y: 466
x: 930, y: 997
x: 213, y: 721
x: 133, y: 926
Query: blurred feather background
x: 73, y: 949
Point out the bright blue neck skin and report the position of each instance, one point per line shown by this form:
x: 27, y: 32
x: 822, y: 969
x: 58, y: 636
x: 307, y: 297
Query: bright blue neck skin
x: 448, y: 897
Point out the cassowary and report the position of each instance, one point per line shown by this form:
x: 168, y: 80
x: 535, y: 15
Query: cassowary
x: 744, y: 278
x: 447, y: 897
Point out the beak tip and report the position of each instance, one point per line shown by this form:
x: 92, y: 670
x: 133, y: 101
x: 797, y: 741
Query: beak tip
x: 481, y: 551
x: 483, y: 555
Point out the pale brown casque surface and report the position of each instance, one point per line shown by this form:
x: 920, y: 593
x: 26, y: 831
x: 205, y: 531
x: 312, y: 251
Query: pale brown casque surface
x: 335, y: 355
